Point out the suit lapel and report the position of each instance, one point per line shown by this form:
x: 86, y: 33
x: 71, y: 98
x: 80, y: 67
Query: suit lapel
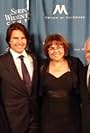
x: 13, y: 73
x: 85, y: 93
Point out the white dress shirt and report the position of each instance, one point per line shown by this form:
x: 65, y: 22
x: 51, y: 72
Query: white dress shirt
x: 27, y: 60
x: 88, y: 73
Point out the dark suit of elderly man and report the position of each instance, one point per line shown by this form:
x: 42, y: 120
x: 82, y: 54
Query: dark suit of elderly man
x: 85, y: 90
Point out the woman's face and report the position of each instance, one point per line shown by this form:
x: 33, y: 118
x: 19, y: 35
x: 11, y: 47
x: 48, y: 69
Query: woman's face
x: 56, y: 51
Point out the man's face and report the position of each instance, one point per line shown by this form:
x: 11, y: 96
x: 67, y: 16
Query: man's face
x: 87, y: 52
x: 18, y: 41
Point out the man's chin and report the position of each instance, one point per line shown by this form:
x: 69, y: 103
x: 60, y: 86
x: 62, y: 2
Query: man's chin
x: 19, y: 51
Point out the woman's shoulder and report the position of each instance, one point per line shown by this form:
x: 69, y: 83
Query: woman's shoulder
x: 74, y: 59
x: 74, y: 62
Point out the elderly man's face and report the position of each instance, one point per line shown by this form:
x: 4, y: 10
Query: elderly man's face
x: 87, y: 51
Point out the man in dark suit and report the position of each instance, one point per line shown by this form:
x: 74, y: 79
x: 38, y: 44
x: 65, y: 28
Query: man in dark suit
x: 85, y: 90
x: 19, y: 101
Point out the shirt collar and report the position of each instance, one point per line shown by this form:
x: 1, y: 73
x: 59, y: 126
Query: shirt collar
x: 16, y: 55
x: 89, y: 68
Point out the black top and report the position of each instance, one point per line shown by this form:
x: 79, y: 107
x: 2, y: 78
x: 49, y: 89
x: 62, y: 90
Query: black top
x: 59, y: 109
x: 60, y: 102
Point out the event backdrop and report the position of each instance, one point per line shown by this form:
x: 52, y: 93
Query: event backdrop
x: 11, y: 11
x: 71, y: 18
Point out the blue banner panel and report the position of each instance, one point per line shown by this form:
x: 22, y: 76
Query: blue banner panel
x: 11, y: 11
x: 71, y: 18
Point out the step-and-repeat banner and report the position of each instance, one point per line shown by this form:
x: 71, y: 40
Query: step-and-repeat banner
x: 11, y: 11
x: 71, y: 18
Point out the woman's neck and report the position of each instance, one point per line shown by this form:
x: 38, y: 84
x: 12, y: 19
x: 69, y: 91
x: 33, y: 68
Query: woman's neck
x: 58, y: 63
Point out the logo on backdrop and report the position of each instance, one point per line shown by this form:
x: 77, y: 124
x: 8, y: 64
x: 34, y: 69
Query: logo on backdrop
x: 20, y: 15
x: 60, y: 11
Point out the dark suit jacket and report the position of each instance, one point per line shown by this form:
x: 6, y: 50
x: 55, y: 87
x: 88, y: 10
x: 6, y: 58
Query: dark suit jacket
x: 4, y: 128
x: 20, y: 107
x: 84, y: 101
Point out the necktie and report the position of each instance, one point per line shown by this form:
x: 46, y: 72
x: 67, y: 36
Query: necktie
x: 25, y: 73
